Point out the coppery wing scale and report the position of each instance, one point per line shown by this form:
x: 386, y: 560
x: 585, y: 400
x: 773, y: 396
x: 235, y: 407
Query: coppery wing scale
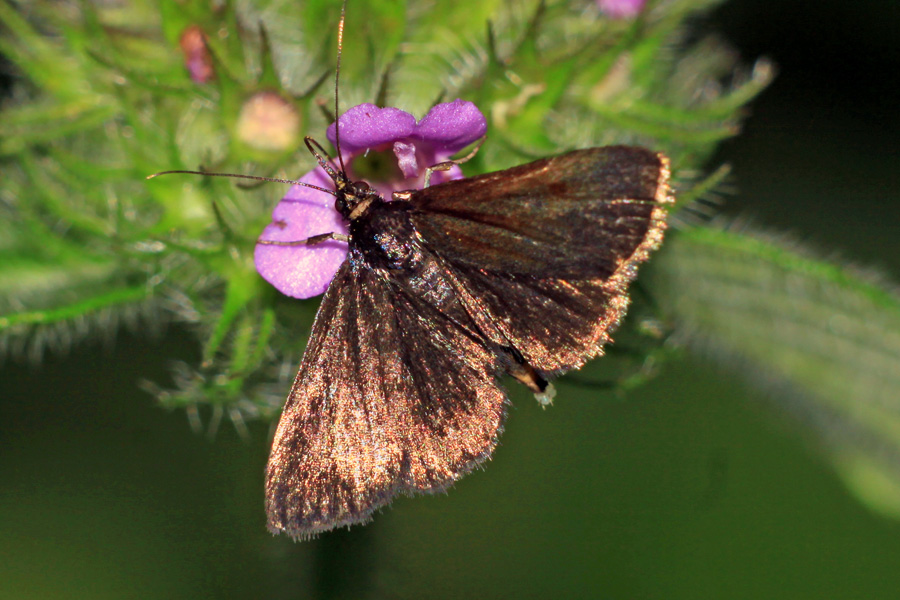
x: 454, y: 405
x: 580, y: 215
x: 312, y: 479
x: 391, y: 397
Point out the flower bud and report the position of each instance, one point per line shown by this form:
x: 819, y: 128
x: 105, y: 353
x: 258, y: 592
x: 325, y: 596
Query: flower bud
x: 197, y: 58
x: 268, y: 122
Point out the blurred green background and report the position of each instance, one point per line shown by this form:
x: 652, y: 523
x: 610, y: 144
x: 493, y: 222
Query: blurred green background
x: 691, y: 487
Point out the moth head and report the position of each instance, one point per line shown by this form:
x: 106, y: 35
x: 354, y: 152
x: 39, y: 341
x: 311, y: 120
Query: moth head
x: 353, y: 197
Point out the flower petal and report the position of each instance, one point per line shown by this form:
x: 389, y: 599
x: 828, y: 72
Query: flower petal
x: 302, y: 271
x: 366, y: 126
x: 452, y: 126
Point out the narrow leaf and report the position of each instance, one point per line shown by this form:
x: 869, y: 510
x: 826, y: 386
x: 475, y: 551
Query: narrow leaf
x: 827, y: 337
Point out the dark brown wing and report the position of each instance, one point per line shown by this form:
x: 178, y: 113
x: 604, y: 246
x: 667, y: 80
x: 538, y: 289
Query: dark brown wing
x: 391, y: 397
x: 581, y: 214
x: 556, y: 324
x: 546, y: 250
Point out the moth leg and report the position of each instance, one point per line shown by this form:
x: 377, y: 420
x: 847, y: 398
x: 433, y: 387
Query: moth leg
x: 310, y: 241
x: 544, y: 392
x: 448, y: 164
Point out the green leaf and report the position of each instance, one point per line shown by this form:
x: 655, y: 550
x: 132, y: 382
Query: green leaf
x: 48, y: 306
x: 35, y: 55
x: 27, y: 125
x: 827, y: 337
x: 36, y: 281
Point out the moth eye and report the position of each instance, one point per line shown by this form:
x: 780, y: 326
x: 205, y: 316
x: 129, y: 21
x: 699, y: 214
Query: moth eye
x: 361, y: 188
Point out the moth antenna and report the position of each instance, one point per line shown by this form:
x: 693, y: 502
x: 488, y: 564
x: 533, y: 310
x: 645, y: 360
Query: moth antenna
x: 254, y: 177
x: 337, y: 80
x: 324, y: 159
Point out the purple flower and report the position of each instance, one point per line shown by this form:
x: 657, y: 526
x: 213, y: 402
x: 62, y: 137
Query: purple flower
x: 388, y: 149
x: 621, y: 9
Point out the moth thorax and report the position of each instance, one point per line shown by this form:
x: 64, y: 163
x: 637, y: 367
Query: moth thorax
x: 386, y: 236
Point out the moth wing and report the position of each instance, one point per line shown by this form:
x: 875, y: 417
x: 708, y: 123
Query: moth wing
x: 582, y: 214
x: 546, y: 250
x: 556, y: 324
x: 391, y: 397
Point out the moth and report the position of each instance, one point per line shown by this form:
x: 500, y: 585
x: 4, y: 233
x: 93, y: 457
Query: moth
x: 445, y: 289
